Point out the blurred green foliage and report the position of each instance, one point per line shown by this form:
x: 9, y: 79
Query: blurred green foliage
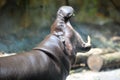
x: 42, y: 12
x: 24, y: 23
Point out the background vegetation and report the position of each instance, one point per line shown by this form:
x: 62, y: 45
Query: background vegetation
x: 24, y: 23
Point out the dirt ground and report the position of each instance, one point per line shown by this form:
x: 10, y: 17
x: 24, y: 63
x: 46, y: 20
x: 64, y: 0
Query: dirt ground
x: 90, y: 75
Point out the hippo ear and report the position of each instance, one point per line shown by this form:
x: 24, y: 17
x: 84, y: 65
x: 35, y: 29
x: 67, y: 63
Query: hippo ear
x: 60, y: 12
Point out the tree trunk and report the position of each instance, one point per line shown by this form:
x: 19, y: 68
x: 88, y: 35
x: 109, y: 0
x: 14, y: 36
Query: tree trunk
x: 81, y: 58
x: 98, y: 62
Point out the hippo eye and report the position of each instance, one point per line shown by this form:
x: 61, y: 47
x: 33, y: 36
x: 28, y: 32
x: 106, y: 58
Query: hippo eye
x: 69, y: 14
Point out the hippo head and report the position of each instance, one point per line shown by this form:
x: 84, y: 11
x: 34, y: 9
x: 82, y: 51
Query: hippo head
x: 69, y: 36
